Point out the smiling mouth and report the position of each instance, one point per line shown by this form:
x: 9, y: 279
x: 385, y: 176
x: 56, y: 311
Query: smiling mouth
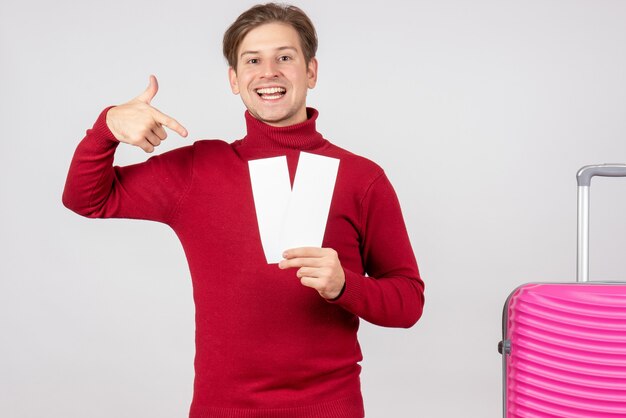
x: 271, y: 93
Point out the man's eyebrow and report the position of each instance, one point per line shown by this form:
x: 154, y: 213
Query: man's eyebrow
x: 282, y: 48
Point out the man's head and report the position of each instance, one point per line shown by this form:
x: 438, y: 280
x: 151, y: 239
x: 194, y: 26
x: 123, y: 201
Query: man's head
x: 270, y: 13
x: 271, y: 52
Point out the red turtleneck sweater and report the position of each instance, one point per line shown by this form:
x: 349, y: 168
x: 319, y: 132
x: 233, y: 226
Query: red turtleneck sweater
x: 266, y: 346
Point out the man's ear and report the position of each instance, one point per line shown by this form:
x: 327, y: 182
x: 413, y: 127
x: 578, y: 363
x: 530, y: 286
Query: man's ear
x: 311, y: 73
x: 232, y: 77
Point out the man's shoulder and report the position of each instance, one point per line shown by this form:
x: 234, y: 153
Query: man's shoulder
x: 354, y: 162
x: 213, y: 149
x: 356, y: 173
x: 201, y: 151
x: 211, y: 145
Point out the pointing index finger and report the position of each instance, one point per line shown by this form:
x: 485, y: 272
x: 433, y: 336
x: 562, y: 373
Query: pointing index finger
x: 170, y: 123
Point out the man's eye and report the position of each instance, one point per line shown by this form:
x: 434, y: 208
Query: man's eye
x: 284, y: 58
x: 253, y: 61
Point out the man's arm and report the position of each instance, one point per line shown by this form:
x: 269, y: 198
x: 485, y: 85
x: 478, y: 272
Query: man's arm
x: 392, y: 294
x: 95, y: 188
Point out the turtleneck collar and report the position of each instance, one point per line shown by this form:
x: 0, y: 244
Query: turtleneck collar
x: 301, y: 136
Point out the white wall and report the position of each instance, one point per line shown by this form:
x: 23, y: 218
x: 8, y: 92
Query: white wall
x: 481, y: 113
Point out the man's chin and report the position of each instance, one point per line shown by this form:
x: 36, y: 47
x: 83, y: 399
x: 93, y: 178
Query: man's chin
x: 277, y: 119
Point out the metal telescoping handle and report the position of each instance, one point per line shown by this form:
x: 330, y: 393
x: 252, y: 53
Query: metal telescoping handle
x: 583, y: 177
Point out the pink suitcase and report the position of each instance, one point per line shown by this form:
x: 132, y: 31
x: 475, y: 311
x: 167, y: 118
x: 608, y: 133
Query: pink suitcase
x: 564, y: 344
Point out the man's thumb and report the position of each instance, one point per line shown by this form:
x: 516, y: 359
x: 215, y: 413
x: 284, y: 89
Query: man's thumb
x: 150, y: 91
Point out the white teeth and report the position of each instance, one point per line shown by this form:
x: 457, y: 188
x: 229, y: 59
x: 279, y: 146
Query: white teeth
x: 271, y: 90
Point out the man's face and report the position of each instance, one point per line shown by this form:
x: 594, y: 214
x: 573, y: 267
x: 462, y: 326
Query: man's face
x: 272, y: 76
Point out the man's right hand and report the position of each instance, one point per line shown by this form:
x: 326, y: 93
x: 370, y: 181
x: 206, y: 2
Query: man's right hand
x: 138, y: 123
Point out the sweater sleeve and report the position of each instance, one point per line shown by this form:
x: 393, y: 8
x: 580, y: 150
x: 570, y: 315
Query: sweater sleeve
x: 392, y: 293
x: 150, y: 190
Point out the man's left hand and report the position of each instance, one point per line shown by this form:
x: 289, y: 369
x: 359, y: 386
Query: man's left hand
x: 319, y: 268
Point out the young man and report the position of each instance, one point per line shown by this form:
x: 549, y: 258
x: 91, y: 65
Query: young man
x: 275, y: 338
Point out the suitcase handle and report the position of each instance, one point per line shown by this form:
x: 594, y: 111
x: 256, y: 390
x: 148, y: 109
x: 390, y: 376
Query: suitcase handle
x: 585, y: 174
x: 583, y: 178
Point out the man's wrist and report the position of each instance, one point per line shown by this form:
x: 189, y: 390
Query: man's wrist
x: 340, y: 292
x: 108, y: 122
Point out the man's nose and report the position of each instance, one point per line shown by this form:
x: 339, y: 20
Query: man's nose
x: 270, y: 69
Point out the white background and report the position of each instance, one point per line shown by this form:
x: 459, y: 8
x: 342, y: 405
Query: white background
x: 480, y: 112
